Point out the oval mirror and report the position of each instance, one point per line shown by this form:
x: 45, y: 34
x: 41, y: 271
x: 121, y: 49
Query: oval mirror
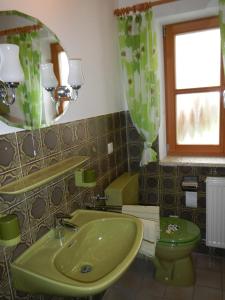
x: 33, y: 107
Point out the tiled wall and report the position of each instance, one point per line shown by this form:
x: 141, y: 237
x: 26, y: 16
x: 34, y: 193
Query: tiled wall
x: 160, y: 185
x: 25, y: 152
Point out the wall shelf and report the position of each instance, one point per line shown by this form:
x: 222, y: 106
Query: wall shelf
x: 43, y: 176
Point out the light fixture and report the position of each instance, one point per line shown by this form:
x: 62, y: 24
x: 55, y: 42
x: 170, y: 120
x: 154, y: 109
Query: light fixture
x: 75, y: 80
x: 11, y: 73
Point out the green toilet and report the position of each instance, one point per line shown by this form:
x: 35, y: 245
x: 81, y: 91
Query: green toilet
x: 172, y: 260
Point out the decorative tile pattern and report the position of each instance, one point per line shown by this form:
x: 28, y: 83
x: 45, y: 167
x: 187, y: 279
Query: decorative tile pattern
x: 50, y: 140
x: 29, y: 143
x: 9, y: 156
x: 67, y: 136
x: 27, y: 152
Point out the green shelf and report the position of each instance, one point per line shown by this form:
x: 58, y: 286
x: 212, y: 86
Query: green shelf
x: 43, y: 176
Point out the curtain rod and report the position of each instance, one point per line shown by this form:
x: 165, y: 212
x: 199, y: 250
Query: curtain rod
x: 24, y: 29
x: 139, y: 7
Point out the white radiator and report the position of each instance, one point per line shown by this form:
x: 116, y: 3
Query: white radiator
x: 215, y: 212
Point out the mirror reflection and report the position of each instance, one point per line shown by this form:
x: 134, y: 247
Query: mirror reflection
x: 33, y: 107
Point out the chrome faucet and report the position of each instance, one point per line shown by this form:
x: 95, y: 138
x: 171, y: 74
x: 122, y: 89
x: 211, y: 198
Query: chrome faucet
x: 60, y: 223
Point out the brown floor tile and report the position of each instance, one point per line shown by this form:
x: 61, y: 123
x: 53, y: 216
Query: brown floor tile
x: 204, y: 293
x: 119, y: 294
x: 152, y: 287
x: 178, y: 293
x: 206, y: 262
x: 209, y: 278
x: 130, y: 280
x: 145, y: 295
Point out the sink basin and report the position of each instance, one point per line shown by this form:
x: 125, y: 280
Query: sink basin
x: 83, y: 263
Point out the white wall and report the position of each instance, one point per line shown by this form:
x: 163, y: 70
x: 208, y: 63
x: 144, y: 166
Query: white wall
x: 87, y: 29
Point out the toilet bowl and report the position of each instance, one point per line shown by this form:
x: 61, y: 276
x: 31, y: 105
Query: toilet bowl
x: 173, y: 260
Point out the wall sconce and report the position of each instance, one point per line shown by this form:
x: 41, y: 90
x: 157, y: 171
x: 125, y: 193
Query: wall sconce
x: 11, y: 73
x: 75, y: 80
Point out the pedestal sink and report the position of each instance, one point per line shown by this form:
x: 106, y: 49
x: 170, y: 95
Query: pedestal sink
x: 83, y: 263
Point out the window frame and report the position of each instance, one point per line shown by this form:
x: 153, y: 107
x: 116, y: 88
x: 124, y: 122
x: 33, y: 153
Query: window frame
x: 170, y: 31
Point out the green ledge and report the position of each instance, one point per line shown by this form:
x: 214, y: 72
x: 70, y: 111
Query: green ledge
x: 43, y: 176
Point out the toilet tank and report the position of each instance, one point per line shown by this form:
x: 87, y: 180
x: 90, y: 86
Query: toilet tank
x: 123, y: 190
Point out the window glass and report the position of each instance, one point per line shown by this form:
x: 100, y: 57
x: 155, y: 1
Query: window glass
x: 197, y: 59
x: 198, y: 118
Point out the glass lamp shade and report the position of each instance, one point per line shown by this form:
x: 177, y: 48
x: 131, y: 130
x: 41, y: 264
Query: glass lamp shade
x: 47, y: 76
x: 75, y: 73
x: 10, y: 67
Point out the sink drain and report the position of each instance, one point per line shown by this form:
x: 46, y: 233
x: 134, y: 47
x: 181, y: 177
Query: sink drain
x: 86, y: 269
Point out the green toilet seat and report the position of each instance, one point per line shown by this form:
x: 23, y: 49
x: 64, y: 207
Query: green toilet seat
x: 184, y: 231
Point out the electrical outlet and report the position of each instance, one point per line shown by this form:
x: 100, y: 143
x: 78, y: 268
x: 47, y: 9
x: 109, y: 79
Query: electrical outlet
x: 110, y: 148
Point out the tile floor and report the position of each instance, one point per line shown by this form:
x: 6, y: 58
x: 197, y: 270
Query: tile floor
x: 138, y: 283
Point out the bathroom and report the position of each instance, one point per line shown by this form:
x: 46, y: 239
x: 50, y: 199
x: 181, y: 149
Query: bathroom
x: 88, y: 29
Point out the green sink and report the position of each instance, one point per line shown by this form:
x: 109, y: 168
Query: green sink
x: 82, y: 263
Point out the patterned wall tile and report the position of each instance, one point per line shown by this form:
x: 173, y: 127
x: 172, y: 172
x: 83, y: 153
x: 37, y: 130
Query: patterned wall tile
x: 6, y: 201
x: 42, y: 228
x: 56, y: 194
x: 151, y: 197
x: 133, y: 135
x: 168, y: 171
x: 71, y: 190
x: 102, y: 145
x: 135, y: 150
x: 116, y: 120
x: 25, y: 243
x: 123, y: 116
x: 67, y: 138
x: 50, y: 140
x: 186, y: 171
x: 168, y: 200
x: 101, y: 125
x: 129, y: 122
x: 77, y: 150
x: 4, y: 280
x: 38, y: 207
x: 30, y: 148
x: 168, y: 184
x: 80, y: 131
x: 104, y: 165
x: 51, y: 160
x: 93, y: 148
x: 9, y: 155
x: 109, y: 123
x: 74, y: 204
x: 151, y: 183
x: 134, y: 165
x: 33, y: 167
x: 91, y: 128
x: 152, y: 168
x: 5, y: 293
x: 118, y: 138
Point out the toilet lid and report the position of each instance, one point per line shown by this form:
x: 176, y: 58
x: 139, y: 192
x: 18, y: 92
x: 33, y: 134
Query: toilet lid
x: 177, y: 230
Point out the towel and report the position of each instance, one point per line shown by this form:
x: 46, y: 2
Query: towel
x: 147, y: 249
x: 150, y: 213
x: 149, y: 233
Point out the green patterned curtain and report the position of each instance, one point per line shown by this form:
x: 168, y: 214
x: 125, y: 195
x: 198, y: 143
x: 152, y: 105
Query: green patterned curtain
x: 29, y: 92
x: 222, y: 27
x: 139, y: 59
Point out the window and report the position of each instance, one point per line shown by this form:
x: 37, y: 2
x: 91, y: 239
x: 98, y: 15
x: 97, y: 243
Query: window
x: 194, y: 86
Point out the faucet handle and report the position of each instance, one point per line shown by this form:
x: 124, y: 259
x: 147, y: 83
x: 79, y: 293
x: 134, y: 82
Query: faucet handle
x: 59, y: 217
